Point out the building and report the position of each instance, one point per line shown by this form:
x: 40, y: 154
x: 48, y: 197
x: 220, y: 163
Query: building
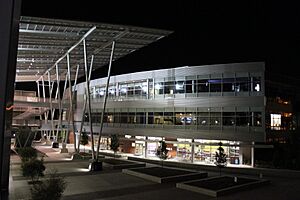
x: 192, y: 108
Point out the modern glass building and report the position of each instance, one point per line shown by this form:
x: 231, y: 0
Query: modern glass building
x: 192, y: 108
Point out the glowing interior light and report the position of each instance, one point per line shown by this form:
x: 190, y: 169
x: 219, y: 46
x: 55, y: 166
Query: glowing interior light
x: 179, y: 87
x: 157, y: 86
x: 257, y: 88
x: 145, y: 88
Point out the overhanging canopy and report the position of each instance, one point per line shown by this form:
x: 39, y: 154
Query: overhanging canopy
x: 43, y: 41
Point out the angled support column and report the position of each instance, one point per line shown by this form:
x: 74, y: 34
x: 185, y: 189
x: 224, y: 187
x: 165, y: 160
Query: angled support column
x: 84, y: 106
x: 59, y: 100
x: 44, y: 99
x: 51, y: 106
x: 87, y: 90
x: 73, y: 99
x: 105, y: 97
x: 39, y: 96
x: 71, y: 116
x: 61, y: 103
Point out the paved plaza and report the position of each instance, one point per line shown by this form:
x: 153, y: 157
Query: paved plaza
x: 115, y: 185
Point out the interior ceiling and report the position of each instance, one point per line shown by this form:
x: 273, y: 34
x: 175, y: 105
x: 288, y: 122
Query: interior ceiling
x: 44, y: 41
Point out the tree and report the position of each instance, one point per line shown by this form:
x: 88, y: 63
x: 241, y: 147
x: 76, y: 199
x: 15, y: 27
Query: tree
x: 114, y: 143
x: 162, y: 152
x: 34, y: 169
x: 84, y: 139
x: 221, y: 158
x: 49, y: 189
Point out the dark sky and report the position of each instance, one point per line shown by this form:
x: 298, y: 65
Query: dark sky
x: 205, y: 32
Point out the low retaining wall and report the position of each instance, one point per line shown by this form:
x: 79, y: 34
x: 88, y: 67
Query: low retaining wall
x: 175, y: 178
x: 233, y: 170
x: 217, y: 193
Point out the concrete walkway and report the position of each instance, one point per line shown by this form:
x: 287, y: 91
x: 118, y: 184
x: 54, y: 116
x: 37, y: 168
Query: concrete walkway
x: 114, y: 185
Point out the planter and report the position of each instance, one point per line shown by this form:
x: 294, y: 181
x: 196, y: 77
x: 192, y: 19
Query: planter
x: 95, y: 166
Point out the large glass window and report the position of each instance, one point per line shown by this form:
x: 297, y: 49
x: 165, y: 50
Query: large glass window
x: 123, y: 90
x: 256, y: 84
x: 159, y: 88
x: 228, y: 118
x: 228, y: 85
x: 169, y: 87
x: 131, y: 118
x: 242, y: 84
x: 158, y: 118
x: 257, y: 118
x: 117, y: 117
x: 130, y: 89
x: 190, y: 86
x: 179, y: 87
x: 203, y: 86
x: 151, y: 89
x: 203, y: 118
x: 168, y: 118
x: 150, y: 117
x: 275, y: 121
x: 112, y: 92
x: 242, y: 119
x: 123, y: 117
x: 215, y: 85
x: 215, y: 118
x: 140, y: 118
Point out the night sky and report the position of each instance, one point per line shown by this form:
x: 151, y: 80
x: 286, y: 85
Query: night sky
x: 205, y: 32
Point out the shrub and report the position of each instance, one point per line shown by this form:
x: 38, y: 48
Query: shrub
x: 221, y: 157
x: 27, y: 153
x: 49, y: 189
x: 84, y: 139
x: 33, y: 168
x: 24, y: 137
x: 162, y: 151
x: 114, y: 143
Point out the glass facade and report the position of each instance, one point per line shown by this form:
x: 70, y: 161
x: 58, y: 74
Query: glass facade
x: 150, y: 88
x: 211, y: 111
x: 188, y: 117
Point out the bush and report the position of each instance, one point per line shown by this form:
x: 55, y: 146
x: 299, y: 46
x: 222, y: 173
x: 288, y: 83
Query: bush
x: 114, y: 143
x: 33, y: 168
x: 49, y: 189
x: 27, y: 153
x: 24, y: 137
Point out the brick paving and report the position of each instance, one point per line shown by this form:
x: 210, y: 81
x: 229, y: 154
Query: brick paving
x: 114, y: 185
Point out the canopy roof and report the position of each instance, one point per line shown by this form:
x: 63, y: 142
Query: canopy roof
x: 43, y: 43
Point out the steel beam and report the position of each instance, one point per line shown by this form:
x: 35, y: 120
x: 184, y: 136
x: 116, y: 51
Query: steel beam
x: 70, y: 50
x: 105, y: 97
x: 87, y: 90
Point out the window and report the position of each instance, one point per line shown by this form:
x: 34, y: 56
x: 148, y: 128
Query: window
x: 256, y: 84
x: 169, y: 87
x: 242, y: 119
x: 215, y: 85
x: 203, y: 86
x: 179, y: 87
x: 275, y: 121
x: 228, y: 84
x: 242, y: 84
x: 228, y: 118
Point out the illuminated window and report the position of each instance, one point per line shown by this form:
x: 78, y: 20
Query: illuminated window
x: 275, y: 121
